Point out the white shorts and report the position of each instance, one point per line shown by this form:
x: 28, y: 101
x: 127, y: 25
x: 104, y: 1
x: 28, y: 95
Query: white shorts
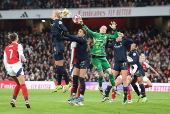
x: 15, y: 69
x: 145, y: 79
x: 129, y: 76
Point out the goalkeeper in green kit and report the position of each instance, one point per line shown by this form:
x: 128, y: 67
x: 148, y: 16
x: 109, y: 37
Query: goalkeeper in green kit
x: 99, y: 60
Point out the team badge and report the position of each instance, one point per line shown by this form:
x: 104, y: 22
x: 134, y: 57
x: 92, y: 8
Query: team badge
x: 134, y: 54
x: 60, y: 22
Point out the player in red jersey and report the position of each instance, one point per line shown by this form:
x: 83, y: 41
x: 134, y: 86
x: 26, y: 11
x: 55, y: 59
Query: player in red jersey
x: 13, y: 58
x: 119, y: 81
x: 145, y: 65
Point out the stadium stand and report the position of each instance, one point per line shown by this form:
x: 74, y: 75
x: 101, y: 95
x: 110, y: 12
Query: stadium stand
x: 40, y: 65
x: 46, y: 4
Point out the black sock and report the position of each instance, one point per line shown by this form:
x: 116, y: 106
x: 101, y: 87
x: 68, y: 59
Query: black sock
x: 75, y: 83
x: 59, y: 76
x: 107, y: 91
x: 136, y: 90
x: 82, y: 86
x: 142, y: 90
x: 125, y: 93
x: 64, y: 74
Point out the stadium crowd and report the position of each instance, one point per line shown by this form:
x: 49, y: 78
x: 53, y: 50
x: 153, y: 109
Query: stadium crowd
x: 39, y: 54
x: 46, y: 4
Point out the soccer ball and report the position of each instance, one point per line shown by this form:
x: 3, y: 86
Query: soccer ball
x: 76, y: 18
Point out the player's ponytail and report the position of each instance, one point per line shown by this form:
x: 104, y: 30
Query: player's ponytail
x: 61, y: 14
x: 12, y: 36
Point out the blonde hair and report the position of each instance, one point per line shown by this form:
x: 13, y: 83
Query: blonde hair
x: 61, y: 14
x: 120, y: 34
x: 141, y: 55
x: 104, y: 26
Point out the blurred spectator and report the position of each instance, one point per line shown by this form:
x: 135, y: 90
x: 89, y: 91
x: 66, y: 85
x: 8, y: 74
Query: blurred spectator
x: 40, y: 64
x: 48, y: 4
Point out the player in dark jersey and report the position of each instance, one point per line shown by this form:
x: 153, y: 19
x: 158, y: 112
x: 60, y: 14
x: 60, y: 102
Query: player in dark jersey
x: 131, y: 70
x: 138, y: 76
x: 57, y: 29
x: 119, y: 48
x: 81, y: 66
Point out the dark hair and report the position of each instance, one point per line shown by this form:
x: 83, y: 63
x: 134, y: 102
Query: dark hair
x: 12, y: 36
x: 84, y: 31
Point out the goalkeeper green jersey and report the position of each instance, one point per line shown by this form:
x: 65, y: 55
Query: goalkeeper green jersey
x: 99, y: 41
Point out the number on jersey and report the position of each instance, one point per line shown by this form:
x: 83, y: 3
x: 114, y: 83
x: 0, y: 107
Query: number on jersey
x: 11, y: 52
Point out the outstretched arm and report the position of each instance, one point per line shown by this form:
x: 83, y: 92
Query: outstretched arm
x: 79, y: 40
x: 154, y: 71
x: 113, y: 26
x: 112, y: 36
x: 128, y: 41
x: 68, y: 39
x: 89, y: 31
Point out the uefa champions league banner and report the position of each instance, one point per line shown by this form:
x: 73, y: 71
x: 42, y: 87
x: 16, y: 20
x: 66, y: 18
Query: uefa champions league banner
x: 89, y: 12
x: 164, y: 87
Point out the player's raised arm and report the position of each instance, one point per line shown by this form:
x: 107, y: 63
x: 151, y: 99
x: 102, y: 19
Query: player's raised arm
x: 77, y: 39
x: 89, y: 31
x: 148, y: 66
x: 113, y: 26
x: 80, y: 21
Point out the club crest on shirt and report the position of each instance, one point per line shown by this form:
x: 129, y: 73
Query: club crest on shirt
x: 60, y: 22
x: 134, y: 54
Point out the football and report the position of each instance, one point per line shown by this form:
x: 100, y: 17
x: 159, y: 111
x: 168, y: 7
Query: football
x: 76, y: 18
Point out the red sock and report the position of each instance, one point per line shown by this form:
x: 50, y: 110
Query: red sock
x: 113, y: 95
x: 24, y: 91
x: 78, y: 91
x: 71, y: 92
x: 146, y: 86
x: 16, y: 91
x: 129, y: 94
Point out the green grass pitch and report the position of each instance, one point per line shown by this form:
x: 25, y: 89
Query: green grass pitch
x: 46, y: 102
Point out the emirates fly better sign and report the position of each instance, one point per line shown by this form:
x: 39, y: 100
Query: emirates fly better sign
x: 89, y: 12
